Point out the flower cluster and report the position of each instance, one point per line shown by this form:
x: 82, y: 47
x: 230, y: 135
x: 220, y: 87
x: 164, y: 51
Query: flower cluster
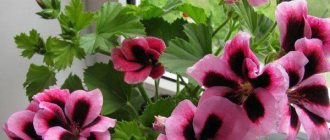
x: 56, y: 114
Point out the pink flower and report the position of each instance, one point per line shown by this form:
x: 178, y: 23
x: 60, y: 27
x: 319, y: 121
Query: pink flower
x: 138, y: 59
x: 307, y: 100
x: 210, y: 120
x: 294, y: 24
x: 236, y: 76
x: 57, y: 114
x: 251, y: 2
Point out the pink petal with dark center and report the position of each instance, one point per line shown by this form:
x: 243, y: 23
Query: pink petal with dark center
x: 153, y: 54
x: 59, y: 133
x: 212, y: 71
x: 56, y: 96
x: 179, y: 125
x: 321, y: 30
x: 10, y: 134
x: 21, y: 124
x: 138, y: 76
x: 213, y: 120
x: 290, y: 17
x: 261, y: 109
x: 135, y: 49
x: 33, y: 106
x: 312, y: 49
x: 294, y: 124
x: 225, y: 92
x: 314, y: 125
x: 84, y: 107
x: 157, y: 71
x: 49, y: 116
x: 236, y: 51
x: 121, y: 64
x: 257, y: 2
x: 100, y: 124
x: 156, y: 44
x: 293, y: 63
x: 99, y: 136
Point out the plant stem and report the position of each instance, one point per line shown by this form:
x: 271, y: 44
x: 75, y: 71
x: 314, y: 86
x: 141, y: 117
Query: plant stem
x: 144, y: 93
x: 262, y: 40
x: 156, y: 90
x: 133, y: 109
x: 221, y: 26
x: 177, y: 84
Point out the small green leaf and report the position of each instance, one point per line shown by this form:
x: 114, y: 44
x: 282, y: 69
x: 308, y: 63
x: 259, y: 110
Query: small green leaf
x: 128, y: 131
x: 115, y: 91
x: 73, y: 82
x: 182, y: 54
x: 38, y: 78
x: 30, y: 44
x: 196, y: 13
x: 51, y: 8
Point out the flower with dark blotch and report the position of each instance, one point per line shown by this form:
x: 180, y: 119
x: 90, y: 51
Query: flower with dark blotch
x: 210, y: 120
x: 306, y: 100
x: 294, y: 24
x: 138, y: 59
x: 236, y: 76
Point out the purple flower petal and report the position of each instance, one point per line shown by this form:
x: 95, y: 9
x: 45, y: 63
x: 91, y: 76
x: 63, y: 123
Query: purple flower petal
x: 134, y: 77
x: 121, y: 64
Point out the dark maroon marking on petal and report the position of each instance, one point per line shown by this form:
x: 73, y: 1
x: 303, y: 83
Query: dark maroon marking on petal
x: 293, y: 78
x: 236, y: 62
x: 29, y: 130
x: 67, y: 136
x: 92, y: 137
x: 80, y: 112
x: 212, y: 125
x: 97, y: 120
x: 294, y: 117
x: 57, y: 121
x: 140, y: 54
x: 262, y: 80
x: 295, y: 31
x: 254, y: 108
x: 16, y: 138
x: 316, y: 33
x: 317, y: 120
x: 214, y: 79
x: 317, y: 94
x: 58, y: 102
x: 234, y: 97
x: 310, y: 67
x: 188, y: 131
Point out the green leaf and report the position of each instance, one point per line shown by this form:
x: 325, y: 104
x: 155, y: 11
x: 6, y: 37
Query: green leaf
x: 115, y: 91
x: 164, y: 30
x: 182, y: 54
x: 74, y: 19
x: 51, y: 8
x: 61, y: 53
x: 128, y: 131
x: 196, y: 13
x: 112, y: 20
x: 268, y: 10
x: 73, y: 82
x: 30, y: 44
x: 38, y: 78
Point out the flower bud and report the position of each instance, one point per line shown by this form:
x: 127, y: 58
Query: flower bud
x: 159, y: 124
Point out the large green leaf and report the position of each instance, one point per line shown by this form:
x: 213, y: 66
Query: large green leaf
x: 182, y: 54
x: 38, y: 78
x: 30, y: 44
x: 128, y: 131
x: 115, y: 91
x: 73, y: 82
x: 112, y: 20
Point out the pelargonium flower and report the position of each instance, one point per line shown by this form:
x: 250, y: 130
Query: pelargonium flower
x: 210, y: 120
x: 251, y: 2
x: 138, y: 59
x: 236, y: 76
x: 307, y: 100
x: 294, y: 23
x: 57, y: 114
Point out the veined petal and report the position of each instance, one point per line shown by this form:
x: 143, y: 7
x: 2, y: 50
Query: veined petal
x: 314, y: 125
x: 121, y: 64
x: 289, y: 122
x: 138, y: 76
x: 21, y: 124
x: 59, y: 133
x: 315, y: 95
x: 294, y: 64
x: 321, y: 30
x: 312, y: 49
x: 236, y: 51
x: 213, y: 120
x: 179, y: 125
x: 84, y: 107
x: 257, y: 2
x: 49, y: 116
x: 225, y: 92
x: 157, y: 71
x: 56, y: 96
x: 99, y: 136
x: 212, y: 71
x: 290, y: 17
x: 156, y: 44
x: 135, y: 49
x: 100, y: 124
x: 261, y: 109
